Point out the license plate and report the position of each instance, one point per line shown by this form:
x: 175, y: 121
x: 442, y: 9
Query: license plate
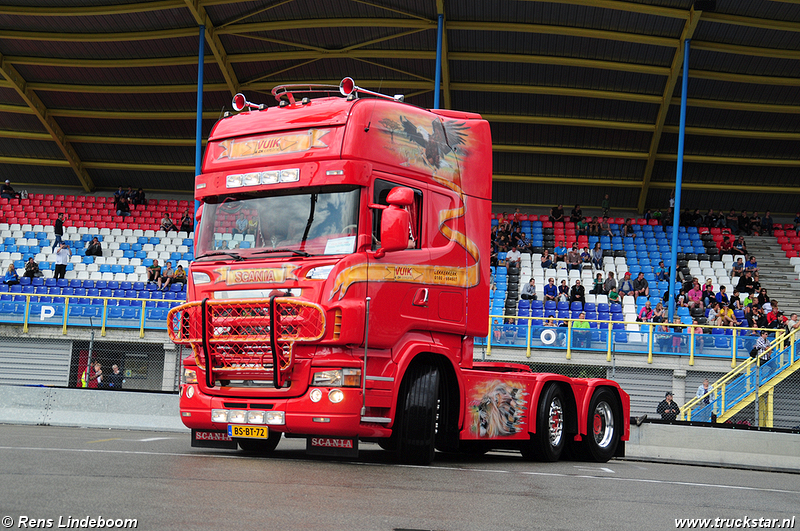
x: 248, y: 432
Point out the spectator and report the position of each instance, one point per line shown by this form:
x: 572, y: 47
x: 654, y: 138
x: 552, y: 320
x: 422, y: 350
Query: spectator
x: 756, y: 283
x: 166, y: 276
x: 547, y: 260
x: 695, y: 296
x: 180, y: 275
x: 63, y: 255
x: 726, y: 246
x: 627, y: 229
x: 586, y: 257
x: 735, y: 301
x: 497, y: 331
x: 676, y: 334
x: 626, y: 286
x: 775, y: 317
x: 739, y: 246
x: 668, y: 409
x: 95, y: 376
x: 94, y: 248
x: 563, y: 291
x: 726, y: 316
x: 513, y: 258
x: 645, y: 314
x: 58, y: 230
x: 561, y: 252
x: 524, y: 244
x: 7, y: 192
x: 698, y: 331
x: 581, y: 333
x: 613, y: 295
x: 708, y: 293
x: 574, y: 258
x: 123, y: 207
x: 605, y: 228
x: 187, y: 224
x: 610, y: 284
x: 11, y: 277
x: 154, y: 272
x: 746, y: 283
x: 722, y: 296
x: 712, y: 218
x: 744, y: 223
x: 755, y: 224
x: 241, y: 224
x: 792, y: 324
x: 605, y: 205
x: 661, y: 272
x: 32, y: 269
x: 578, y: 293
x: 118, y: 195
x: 766, y: 223
x: 138, y: 198
x: 582, y: 227
x: 550, y: 290
x: 593, y: 228
x: 664, y: 337
x: 762, y: 344
x: 167, y: 224
x: 712, y: 314
x: 597, y: 288
x: 529, y: 291
x: 703, y: 391
x: 640, y: 286
x: 115, y: 379
x: 557, y: 214
x: 576, y: 215
x: 751, y: 264
x: 597, y: 256
x: 738, y: 268
x: 732, y: 222
x: 659, y: 314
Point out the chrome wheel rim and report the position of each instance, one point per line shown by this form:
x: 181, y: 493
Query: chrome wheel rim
x: 603, y: 425
x: 556, y: 422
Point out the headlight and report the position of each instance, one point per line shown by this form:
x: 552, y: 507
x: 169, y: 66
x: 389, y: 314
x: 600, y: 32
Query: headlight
x: 319, y: 273
x: 338, y: 378
x: 219, y: 415
x: 189, y: 376
x: 315, y: 395
x: 336, y: 396
x: 255, y: 417
x: 275, y: 418
x: 237, y: 416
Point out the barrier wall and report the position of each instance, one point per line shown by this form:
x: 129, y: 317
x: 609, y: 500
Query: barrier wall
x: 675, y: 443
x: 89, y: 408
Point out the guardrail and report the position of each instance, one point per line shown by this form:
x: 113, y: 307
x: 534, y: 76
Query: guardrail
x: 754, y: 377
x: 73, y: 310
x: 611, y: 336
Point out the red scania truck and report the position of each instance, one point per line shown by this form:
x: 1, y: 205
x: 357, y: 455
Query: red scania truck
x: 341, y: 273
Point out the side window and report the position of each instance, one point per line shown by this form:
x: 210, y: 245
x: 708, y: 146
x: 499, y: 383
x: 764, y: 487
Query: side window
x: 381, y: 192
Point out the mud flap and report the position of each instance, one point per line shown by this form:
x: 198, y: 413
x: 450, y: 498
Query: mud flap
x: 212, y: 439
x: 332, y: 446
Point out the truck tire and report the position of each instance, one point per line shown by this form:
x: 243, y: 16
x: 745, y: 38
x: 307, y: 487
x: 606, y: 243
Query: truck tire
x: 416, y: 429
x: 603, y: 426
x: 550, y: 438
x: 261, y: 446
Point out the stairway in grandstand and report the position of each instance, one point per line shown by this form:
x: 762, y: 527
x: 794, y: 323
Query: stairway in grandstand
x: 732, y: 393
x: 775, y: 270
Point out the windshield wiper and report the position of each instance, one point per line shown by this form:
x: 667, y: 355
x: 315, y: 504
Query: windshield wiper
x: 295, y: 251
x: 235, y: 256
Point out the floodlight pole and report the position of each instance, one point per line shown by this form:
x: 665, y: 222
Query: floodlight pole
x: 198, y: 141
x: 673, y: 263
x: 438, y: 80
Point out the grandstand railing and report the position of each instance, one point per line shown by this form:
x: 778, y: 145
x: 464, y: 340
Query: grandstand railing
x: 80, y: 311
x: 737, y: 389
x: 612, y: 336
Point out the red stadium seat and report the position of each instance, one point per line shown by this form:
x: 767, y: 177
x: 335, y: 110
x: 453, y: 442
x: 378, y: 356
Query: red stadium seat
x: 641, y: 221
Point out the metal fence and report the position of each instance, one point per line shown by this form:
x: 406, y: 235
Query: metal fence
x: 651, y: 359
x: 121, y: 362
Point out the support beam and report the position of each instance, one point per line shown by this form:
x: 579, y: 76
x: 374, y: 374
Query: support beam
x: 48, y: 121
x: 212, y: 39
x: 669, y: 89
x: 445, y: 58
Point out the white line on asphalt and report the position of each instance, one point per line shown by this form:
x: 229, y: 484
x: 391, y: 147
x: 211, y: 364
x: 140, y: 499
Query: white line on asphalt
x: 432, y: 468
x: 156, y: 439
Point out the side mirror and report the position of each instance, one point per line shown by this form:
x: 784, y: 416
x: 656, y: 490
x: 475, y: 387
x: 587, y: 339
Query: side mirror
x: 394, y: 230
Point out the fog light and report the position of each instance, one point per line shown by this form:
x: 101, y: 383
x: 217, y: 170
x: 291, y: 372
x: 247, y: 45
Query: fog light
x: 237, y: 416
x: 336, y: 396
x: 189, y: 391
x: 315, y: 395
x: 219, y: 415
x: 275, y: 418
x: 255, y: 417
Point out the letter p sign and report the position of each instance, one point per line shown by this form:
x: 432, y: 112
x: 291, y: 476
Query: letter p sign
x: 47, y: 312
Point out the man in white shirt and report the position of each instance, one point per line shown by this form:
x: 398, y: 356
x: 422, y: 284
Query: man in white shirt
x: 513, y: 257
x: 63, y: 255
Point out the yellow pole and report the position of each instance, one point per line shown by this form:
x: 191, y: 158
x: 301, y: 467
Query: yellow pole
x: 27, y: 309
x: 691, y: 345
x: 608, y: 342
x: 733, y: 349
x: 569, y: 339
x: 103, y: 321
x: 66, y: 314
x: 650, y: 344
x: 488, y: 339
x: 528, y: 335
x: 141, y: 321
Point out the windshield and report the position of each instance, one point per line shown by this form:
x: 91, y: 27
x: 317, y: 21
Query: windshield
x: 310, y: 223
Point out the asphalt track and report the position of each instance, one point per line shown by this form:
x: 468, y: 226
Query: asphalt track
x: 53, y: 475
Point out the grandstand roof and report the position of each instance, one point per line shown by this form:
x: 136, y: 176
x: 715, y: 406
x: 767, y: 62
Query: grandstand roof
x: 582, y: 95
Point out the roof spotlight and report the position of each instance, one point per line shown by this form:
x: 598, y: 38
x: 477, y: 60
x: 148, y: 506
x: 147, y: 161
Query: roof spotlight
x: 347, y: 86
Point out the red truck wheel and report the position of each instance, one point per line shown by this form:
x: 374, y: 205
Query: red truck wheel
x: 603, y: 426
x: 416, y: 429
x: 259, y: 446
x: 550, y: 439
